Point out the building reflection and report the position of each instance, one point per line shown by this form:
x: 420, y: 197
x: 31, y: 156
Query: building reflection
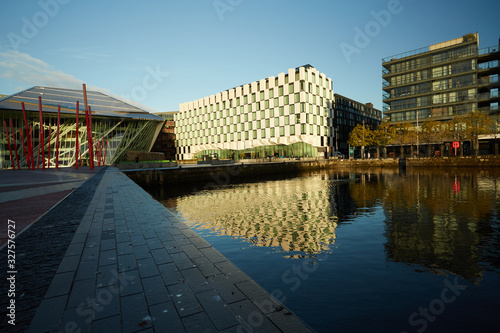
x: 443, y: 221
x: 299, y: 214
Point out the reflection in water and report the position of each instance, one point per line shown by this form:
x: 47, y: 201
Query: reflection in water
x: 442, y: 221
x: 295, y: 215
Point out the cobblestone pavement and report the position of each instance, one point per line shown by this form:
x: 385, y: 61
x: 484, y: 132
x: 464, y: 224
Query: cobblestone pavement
x: 132, y: 266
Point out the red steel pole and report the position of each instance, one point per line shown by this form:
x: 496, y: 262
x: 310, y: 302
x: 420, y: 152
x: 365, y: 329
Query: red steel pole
x: 15, y: 143
x: 105, y: 153
x: 31, y: 141
x: 24, y: 146
x: 50, y: 137
x: 91, y: 145
x: 42, y: 139
x: 8, y: 141
x: 29, y: 156
x: 77, y: 144
x: 87, y: 127
x: 57, y: 136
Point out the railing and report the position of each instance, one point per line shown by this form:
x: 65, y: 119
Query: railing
x: 488, y: 65
x: 488, y: 50
x: 488, y: 80
x: 406, y: 54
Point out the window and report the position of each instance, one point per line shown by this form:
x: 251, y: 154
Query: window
x: 282, y: 131
x: 267, y: 104
x: 292, y: 130
x: 280, y: 89
x: 286, y: 100
x: 290, y: 88
x: 276, y: 121
x: 297, y: 97
x: 271, y: 93
x: 261, y: 95
x: 276, y: 102
x: 272, y: 132
x: 287, y: 120
x: 253, y: 98
x: 282, y: 111
x: 303, y: 128
x: 292, y: 109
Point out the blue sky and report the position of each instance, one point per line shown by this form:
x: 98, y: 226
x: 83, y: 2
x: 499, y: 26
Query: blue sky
x: 162, y: 53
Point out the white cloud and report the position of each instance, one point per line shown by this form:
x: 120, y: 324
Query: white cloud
x: 22, y: 69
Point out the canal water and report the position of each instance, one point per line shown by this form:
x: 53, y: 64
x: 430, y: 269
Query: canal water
x: 362, y: 251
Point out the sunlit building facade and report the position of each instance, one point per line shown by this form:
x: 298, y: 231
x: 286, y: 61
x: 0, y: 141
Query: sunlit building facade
x: 117, y: 127
x: 288, y: 116
x: 441, y: 81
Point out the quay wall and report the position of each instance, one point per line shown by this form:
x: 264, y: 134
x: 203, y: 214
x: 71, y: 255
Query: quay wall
x: 223, y: 173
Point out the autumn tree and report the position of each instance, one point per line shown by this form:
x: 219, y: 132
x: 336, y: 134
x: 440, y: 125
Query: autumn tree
x: 476, y: 123
x: 430, y: 129
x: 382, y: 136
x: 402, y: 135
x: 360, y: 136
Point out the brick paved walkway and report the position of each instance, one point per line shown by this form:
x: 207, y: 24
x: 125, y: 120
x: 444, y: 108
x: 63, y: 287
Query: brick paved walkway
x: 133, y: 266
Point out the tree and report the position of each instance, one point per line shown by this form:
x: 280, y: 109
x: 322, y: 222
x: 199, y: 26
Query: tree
x: 360, y: 136
x: 430, y: 129
x: 382, y: 136
x: 457, y: 129
x: 476, y: 123
x: 402, y: 135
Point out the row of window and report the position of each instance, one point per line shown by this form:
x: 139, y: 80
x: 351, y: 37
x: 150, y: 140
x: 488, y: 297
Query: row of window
x: 435, y: 112
x: 265, y: 133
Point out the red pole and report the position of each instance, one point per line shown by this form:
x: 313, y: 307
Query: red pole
x: 29, y: 156
x: 15, y: 144
x: 105, y: 153
x: 31, y: 141
x: 91, y: 147
x: 24, y: 147
x: 57, y: 137
x: 88, y: 132
x: 8, y: 141
x: 50, y: 137
x: 42, y: 139
x: 77, y: 144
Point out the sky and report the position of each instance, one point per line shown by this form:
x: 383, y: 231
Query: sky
x: 160, y: 53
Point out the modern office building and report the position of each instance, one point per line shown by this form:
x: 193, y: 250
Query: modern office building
x: 117, y: 127
x: 289, y: 115
x: 165, y: 142
x: 349, y: 113
x: 440, y: 81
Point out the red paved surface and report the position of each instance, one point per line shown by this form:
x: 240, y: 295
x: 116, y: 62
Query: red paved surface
x: 27, y: 210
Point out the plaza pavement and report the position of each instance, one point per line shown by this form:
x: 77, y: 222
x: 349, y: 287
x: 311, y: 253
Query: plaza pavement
x: 130, y: 265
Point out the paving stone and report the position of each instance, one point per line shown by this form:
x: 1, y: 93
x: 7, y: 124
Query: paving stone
x: 90, y: 253
x: 60, y: 285
x: 134, y: 313
x: 86, y: 270
x: 130, y: 283
x: 124, y: 248
x: 181, y: 239
x: 82, y: 291
x: 227, y: 289
x: 154, y: 243
x: 232, y: 272
x: 126, y: 262
x: 48, y: 315
x: 189, y: 233
x: 199, y: 322
x: 76, y: 320
x: 166, y: 318
x: 288, y: 323
x: 147, y: 268
x: 69, y: 264
x: 106, y: 325
x: 108, y: 244
x: 75, y: 249
x: 107, y: 302
x: 181, y: 260
x: 107, y: 276
x: 191, y: 251
x: 172, y: 246
x: 170, y: 274
x: 222, y: 317
x: 265, y: 302
x: 155, y: 290
x: 161, y: 256
x: 107, y: 258
x: 206, y: 267
x: 184, y: 299
x: 253, y: 320
x: 195, y: 279
x: 213, y: 255
x: 199, y: 242
x: 142, y: 252
x: 137, y: 239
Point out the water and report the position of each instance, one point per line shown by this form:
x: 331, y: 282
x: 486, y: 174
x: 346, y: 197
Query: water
x: 373, y: 251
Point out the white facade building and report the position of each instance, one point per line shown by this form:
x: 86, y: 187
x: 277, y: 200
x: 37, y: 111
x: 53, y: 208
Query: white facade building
x: 288, y: 115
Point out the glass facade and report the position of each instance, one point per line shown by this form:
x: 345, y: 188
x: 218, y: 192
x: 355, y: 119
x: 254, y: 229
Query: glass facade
x: 270, y: 114
x: 116, y: 128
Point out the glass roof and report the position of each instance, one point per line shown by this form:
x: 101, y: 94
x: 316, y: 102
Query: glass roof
x: 100, y: 104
